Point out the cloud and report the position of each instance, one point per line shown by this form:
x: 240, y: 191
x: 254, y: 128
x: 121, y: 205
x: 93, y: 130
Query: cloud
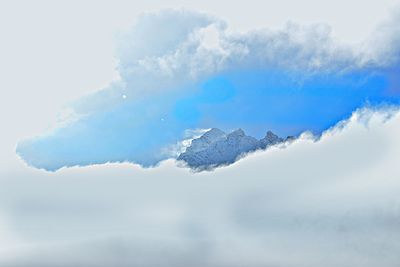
x: 331, y: 202
x: 183, y: 70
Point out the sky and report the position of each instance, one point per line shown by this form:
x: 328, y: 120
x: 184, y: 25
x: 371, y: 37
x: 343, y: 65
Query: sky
x: 181, y: 70
x: 99, y: 92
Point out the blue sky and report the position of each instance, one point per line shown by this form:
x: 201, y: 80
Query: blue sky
x: 284, y: 102
x: 254, y: 100
x: 199, y: 77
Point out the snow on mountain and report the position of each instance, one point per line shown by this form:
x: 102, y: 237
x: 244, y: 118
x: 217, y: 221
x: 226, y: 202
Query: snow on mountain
x: 216, y: 148
x: 205, y: 140
x: 269, y: 140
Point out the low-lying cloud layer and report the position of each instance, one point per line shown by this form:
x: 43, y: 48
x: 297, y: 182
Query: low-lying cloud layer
x: 330, y: 203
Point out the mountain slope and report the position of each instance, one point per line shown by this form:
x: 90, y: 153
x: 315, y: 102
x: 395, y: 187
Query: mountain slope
x: 216, y: 148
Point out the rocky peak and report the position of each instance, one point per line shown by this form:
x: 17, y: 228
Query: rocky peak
x: 215, y: 147
x: 213, y: 133
x: 239, y: 133
x: 205, y: 140
x: 270, y: 139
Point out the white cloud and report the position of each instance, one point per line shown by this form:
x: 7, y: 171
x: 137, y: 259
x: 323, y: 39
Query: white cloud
x: 169, y: 49
x: 177, y: 46
x: 334, y: 202
x: 79, y: 51
x: 173, y: 151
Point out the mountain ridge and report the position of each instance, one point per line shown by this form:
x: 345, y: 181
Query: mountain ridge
x: 216, y: 148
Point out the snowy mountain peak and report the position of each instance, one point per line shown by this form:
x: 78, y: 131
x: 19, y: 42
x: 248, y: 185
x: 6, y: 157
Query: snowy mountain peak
x: 270, y: 135
x: 270, y: 139
x: 205, y: 140
x: 216, y: 148
x: 237, y: 134
x: 213, y: 133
